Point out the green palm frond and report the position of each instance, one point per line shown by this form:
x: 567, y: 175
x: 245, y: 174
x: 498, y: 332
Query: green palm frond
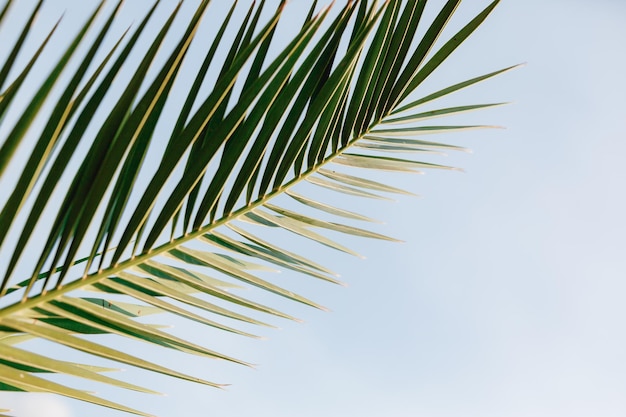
x: 142, y: 208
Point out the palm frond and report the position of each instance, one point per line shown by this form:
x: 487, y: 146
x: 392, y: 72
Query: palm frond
x: 159, y: 213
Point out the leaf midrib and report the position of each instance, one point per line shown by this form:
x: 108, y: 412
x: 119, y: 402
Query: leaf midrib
x: 94, y: 278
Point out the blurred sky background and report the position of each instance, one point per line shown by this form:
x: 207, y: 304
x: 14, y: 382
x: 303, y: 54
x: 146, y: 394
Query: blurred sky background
x: 507, y: 298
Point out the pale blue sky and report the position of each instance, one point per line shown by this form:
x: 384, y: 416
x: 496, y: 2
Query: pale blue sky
x: 507, y: 297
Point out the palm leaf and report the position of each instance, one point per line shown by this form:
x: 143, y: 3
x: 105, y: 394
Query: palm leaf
x: 158, y: 235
